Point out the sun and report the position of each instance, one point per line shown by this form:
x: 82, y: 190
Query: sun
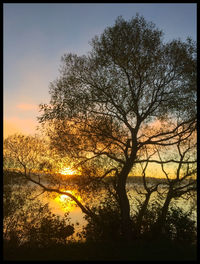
x: 67, y: 171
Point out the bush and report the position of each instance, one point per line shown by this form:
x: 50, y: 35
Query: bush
x: 29, y: 223
x: 106, y: 226
x: 180, y: 227
x: 50, y: 231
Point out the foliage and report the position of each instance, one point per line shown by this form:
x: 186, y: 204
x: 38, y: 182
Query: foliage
x: 128, y: 80
x: 26, y: 153
x: 179, y: 226
x: 110, y: 110
x: 28, y: 222
x: 106, y: 227
x: 150, y: 217
x: 131, y: 92
x: 51, y: 230
x: 44, y: 237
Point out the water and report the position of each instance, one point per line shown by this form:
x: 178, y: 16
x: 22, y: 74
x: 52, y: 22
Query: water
x: 60, y: 204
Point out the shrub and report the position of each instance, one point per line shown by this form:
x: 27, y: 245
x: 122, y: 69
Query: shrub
x: 30, y: 223
x: 106, y: 226
x: 180, y: 227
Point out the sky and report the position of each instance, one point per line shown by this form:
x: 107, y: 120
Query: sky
x: 35, y: 36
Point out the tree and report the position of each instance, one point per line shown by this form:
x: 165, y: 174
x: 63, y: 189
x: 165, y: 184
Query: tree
x: 29, y: 222
x: 179, y: 165
x: 102, y: 103
x: 184, y: 180
x: 148, y: 191
x: 31, y: 158
x: 25, y: 153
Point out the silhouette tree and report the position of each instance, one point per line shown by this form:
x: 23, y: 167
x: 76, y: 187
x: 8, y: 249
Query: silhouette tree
x: 26, y: 153
x: 28, y: 221
x: 102, y: 102
x: 147, y: 192
x: 29, y: 157
x: 184, y: 180
x: 180, y: 177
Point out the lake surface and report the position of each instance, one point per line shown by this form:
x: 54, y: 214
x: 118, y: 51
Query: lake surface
x: 60, y: 204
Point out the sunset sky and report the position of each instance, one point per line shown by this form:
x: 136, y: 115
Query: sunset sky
x: 35, y: 36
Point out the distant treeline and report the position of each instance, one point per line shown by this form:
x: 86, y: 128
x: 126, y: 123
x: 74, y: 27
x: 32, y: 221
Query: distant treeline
x: 139, y: 180
x: 15, y: 175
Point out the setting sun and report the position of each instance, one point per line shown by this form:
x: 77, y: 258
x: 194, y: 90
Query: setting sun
x: 67, y: 171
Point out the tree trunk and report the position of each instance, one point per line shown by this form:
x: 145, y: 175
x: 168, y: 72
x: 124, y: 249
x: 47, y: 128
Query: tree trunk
x: 141, y: 214
x: 124, y: 202
x: 125, y: 211
x: 162, y: 219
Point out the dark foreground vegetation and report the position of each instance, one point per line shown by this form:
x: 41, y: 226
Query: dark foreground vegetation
x: 138, y: 250
x: 33, y: 232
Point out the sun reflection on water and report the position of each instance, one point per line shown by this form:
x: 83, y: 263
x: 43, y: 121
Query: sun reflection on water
x: 66, y: 203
